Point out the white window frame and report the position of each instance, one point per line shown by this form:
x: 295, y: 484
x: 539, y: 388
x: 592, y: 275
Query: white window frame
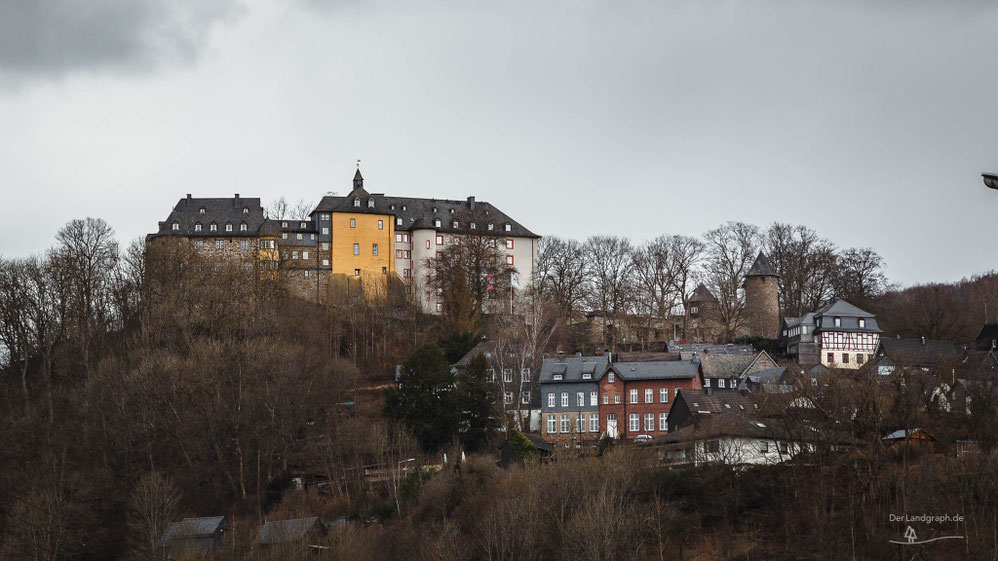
x: 564, y: 399
x: 593, y: 399
x: 633, y: 422
x: 564, y: 423
x: 593, y: 422
x: 633, y: 396
x: 663, y: 395
x: 649, y: 395
x: 649, y: 422
x: 580, y: 399
x: 663, y: 422
x: 551, y: 400
x: 552, y: 424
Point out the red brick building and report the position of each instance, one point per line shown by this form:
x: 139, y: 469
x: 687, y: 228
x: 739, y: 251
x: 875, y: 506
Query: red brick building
x: 635, y: 397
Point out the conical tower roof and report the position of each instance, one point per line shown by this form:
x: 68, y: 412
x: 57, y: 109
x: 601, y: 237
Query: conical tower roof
x: 762, y: 267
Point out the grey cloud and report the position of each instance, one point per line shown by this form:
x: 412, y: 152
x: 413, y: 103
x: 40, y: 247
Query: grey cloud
x: 55, y: 37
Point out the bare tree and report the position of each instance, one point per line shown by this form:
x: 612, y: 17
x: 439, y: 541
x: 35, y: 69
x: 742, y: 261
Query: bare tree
x: 686, y: 256
x: 153, y: 504
x: 731, y: 250
x: 806, y: 264
x: 561, y: 273
x: 611, y: 276
x: 861, y: 275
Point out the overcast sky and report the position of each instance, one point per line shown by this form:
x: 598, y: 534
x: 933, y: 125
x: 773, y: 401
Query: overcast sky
x: 867, y: 121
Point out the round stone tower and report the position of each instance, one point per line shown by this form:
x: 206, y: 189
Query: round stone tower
x: 762, y: 299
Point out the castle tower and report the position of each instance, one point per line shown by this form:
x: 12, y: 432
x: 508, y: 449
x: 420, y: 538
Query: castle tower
x: 762, y: 299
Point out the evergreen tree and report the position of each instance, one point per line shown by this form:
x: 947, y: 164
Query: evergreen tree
x: 425, y: 400
x: 476, y: 399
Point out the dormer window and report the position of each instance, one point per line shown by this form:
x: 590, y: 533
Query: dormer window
x: 245, y: 210
x: 455, y: 224
x: 509, y: 227
x: 228, y: 227
x: 472, y: 225
x: 242, y: 227
x: 356, y: 202
x: 176, y: 226
x: 398, y: 221
x: 201, y: 210
x: 490, y: 227
x: 197, y: 227
x: 370, y: 203
x: 451, y: 211
x: 284, y: 224
x: 304, y: 225
x: 862, y: 323
x: 213, y: 227
x: 838, y: 322
x: 436, y: 223
x: 403, y: 208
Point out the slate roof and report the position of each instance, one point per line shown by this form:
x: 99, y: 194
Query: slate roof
x: 483, y: 347
x: 277, y: 531
x: 762, y: 267
x: 767, y: 379
x: 738, y: 425
x: 717, y: 365
x: 687, y: 350
x: 717, y: 402
x: 418, y: 212
x: 539, y: 442
x: 849, y: 314
x: 702, y: 294
x: 571, y: 368
x: 656, y: 370
x: 190, y: 528
x: 646, y: 356
x: 221, y: 211
x: 915, y: 352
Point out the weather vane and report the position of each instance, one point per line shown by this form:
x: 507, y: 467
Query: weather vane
x: 358, y: 164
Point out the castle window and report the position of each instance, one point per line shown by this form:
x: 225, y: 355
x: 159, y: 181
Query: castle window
x: 370, y: 203
x: 228, y: 227
x: 244, y: 245
x: 306, y: 273
x: 356, y: 202
x: 294, y: 255
x: 197, y: 227
x: 219, y: 244
x: 201, y: 210
x: 384, y: 270
x: 176, y: 226
x: 356, y: 249
x: 242, y: 227
x: 304, y: 255
x: 374, y: 249
x: 356, y: 272
x: 353, y: 222
x: 381, y: 224
x: 199, y: 244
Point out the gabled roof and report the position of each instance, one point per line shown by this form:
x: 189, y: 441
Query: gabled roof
x: 539, y: 442
x: 920, y: 352
x: 484, y: 347
x: 839, y: 307
x: 191, y: 528
x: 738, y: 425
x: 768, y: 379
x: 720, y: 365
x: 656, y: 370
x: 277, y: 531
x: 702, y: 294
x: 715, y: 402
x: 762, y: 267
x: 572, y: 368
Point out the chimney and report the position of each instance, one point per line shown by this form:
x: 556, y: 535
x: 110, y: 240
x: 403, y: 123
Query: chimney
x: 237, y: 200
x: 188, y: 200
x: 471, y: 203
